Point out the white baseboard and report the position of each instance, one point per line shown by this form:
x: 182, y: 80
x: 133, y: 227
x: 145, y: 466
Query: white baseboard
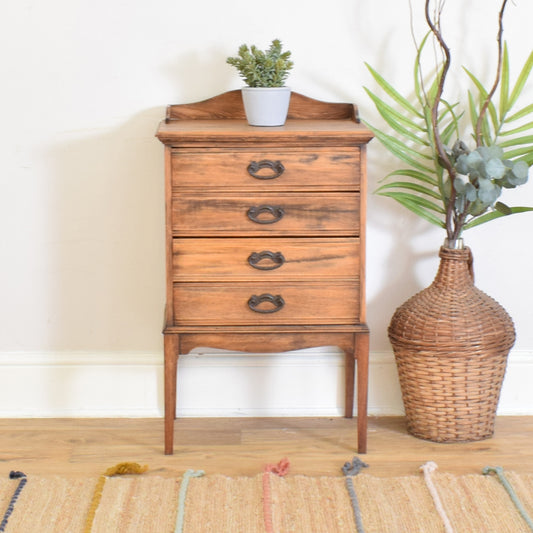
x: 211, y: 383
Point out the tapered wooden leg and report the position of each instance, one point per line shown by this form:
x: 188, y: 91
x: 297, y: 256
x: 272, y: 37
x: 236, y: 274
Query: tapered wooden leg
x: 361, y: 352
x: 171, y: 367
x: 349, y: 369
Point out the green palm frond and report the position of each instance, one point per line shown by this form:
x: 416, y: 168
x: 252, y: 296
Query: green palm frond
x: 428, y: 186
x: 492, y: 215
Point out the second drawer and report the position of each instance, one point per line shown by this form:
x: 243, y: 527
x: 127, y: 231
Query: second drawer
x: 201, y: 214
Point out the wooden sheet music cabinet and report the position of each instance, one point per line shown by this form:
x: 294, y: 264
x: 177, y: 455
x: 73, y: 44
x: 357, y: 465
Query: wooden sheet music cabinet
x: 265, y: 236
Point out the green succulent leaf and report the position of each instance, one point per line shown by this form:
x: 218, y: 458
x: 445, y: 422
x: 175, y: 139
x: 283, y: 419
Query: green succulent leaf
x: 259, y: 68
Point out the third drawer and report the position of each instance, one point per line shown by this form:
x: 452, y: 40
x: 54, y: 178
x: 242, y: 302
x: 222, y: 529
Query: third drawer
x: 212, y: 259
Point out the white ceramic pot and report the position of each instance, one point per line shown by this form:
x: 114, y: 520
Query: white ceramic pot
x: 266, y: 106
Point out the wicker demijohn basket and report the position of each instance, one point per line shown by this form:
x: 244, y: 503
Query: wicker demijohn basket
x: 451, y: 343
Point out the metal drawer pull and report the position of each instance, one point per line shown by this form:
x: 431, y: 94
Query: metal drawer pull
x: 277, y: 301
x: 275, y: 260
x: 255, y: 166
x: 255, y: 211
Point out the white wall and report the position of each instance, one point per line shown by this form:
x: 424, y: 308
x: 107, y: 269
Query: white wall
x: 83, y: 87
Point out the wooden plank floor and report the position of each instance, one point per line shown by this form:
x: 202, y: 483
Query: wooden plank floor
x: 242, y: 446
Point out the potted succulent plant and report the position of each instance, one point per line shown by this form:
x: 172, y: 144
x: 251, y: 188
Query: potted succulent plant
x: 451, y: 341
x: 266, y: 98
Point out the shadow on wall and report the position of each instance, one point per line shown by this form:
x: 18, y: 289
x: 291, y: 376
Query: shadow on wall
x: 106, y: 239
x: 392, y: 268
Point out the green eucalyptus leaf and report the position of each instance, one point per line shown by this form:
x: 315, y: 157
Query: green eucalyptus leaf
x: 473, y: 161
x: 502, y: 208
x: 478, y: 207
x: 470, y: 192
x: 461, y: 165
x: 466, y: 189
x: 527, y: 158
x: 488, y: 192
x: 459, y: 186
x: 495, y: 169
x: 521, y: 170
x: 519, y: 173
x: 490, y: 152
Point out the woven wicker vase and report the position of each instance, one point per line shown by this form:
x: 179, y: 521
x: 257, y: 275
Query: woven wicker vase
x: 451, y: 343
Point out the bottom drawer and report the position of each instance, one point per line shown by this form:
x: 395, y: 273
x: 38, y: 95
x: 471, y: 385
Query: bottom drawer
x: 265, y: 303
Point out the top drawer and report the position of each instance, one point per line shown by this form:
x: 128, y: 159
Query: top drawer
x: 263, y: 169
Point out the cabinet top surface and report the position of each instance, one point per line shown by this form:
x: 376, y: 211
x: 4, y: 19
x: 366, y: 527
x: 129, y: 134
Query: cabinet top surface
x: 188, y: 129
x: 222, y: 119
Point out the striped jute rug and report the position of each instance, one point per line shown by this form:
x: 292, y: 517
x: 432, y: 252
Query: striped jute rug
x: 432, y: 501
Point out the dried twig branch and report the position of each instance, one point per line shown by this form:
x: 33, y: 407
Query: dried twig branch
x: 486, y: 103
x: 441, y: 150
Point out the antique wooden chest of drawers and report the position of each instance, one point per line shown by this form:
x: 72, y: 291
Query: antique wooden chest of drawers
x: 265, y: 236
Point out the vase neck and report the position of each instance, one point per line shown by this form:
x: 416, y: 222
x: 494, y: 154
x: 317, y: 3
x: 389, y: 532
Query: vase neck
x: 454, y: 244
x: 455, y: 268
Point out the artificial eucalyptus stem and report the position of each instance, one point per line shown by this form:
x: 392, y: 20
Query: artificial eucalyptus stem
x: 451, y: 223
x: 486, y: 103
